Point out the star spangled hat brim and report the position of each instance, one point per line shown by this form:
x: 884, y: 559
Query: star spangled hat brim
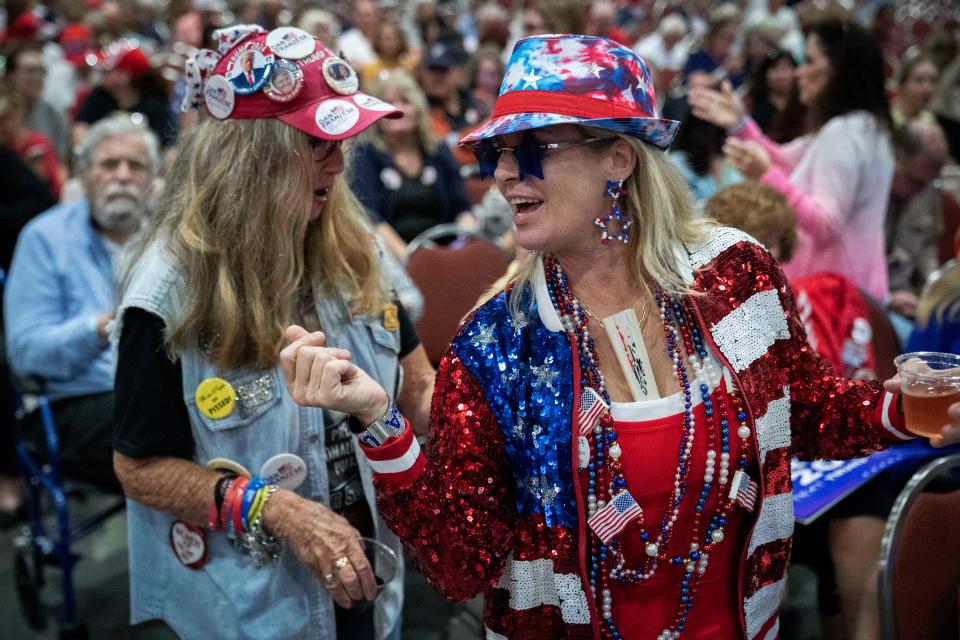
x: 659, y: 132
x: 576, y: 79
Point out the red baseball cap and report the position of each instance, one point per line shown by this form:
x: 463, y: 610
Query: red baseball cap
x: 123, y: 54
x: 285, y: 74
x: 76, y: 40
x: 25, y: 26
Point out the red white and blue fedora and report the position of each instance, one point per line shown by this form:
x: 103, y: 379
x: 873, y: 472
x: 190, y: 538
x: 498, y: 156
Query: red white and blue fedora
x: 573, y: 79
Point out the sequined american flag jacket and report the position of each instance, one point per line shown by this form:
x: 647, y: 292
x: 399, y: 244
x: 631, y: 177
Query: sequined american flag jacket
x: 494, y: 505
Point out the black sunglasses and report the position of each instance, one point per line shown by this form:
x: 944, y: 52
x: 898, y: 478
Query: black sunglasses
x: 529, y: 154
x: 322, y: 148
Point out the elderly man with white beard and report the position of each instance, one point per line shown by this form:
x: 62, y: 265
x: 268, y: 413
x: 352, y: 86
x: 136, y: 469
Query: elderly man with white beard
x: 61, y: 290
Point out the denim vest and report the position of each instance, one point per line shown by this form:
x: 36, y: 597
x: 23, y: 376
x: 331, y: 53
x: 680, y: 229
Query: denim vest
x: 229, y: 597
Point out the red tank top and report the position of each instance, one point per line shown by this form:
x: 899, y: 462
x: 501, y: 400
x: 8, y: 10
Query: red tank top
x: 643, y: 609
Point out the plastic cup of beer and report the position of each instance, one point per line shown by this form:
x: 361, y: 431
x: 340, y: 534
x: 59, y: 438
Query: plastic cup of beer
x: 930, y: 383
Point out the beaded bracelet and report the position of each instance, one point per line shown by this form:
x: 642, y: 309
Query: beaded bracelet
x: 262, y: 547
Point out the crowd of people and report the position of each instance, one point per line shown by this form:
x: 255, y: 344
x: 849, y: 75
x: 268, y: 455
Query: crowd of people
x: 206, y: 208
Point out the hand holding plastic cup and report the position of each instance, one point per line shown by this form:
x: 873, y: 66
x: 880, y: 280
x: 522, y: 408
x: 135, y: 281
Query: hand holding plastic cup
x: 930, y: 383
x: 384, y: 563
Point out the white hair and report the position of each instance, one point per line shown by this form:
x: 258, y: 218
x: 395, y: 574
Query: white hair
x: 116, y: 124
x: 672, y: 23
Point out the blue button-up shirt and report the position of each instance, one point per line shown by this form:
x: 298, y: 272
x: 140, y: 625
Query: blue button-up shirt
x: 61, y: 280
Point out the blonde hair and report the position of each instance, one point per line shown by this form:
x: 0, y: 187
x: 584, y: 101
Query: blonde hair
x: 409, y: 90
x: 235, y: 214
x: 658, y: 202
x: 941, y: 299
x: 758, y: 209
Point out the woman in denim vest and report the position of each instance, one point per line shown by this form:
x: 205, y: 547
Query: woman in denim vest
x: 245, y: 510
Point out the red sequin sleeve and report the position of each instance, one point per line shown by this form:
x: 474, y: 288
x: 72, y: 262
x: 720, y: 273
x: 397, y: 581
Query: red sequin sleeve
x: 832, y: 418
x: 455, y: 516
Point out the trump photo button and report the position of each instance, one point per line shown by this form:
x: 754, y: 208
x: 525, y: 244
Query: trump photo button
x: 249, y: 67
x: 286, y: 82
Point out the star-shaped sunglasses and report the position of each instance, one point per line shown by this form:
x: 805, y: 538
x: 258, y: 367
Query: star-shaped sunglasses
x: 529, y: 154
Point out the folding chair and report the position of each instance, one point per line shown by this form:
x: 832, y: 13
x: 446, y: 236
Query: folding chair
x: 452, y: 278
x: 919, y: 576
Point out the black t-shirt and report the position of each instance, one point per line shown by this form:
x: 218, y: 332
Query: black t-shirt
x: 150, y: 416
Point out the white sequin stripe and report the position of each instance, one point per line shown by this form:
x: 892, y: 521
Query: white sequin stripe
x: 718, y: 242
x: 533, y: 583
x: 773, y: 427
x: 775, y: 521
x: 774, y: 630
x: 888, y: 407
x: 747, y: 332
x: 490, y: 634
x: 762, y: 605
x: 398, y: 465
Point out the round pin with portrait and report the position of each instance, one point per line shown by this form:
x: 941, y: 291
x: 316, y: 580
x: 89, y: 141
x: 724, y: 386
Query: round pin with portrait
x: 286, y: 81
x: 249, y: 67
x: 340, y: 76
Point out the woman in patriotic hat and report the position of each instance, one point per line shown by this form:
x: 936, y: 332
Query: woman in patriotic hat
x: 610, y: 438
x: 245, y: 510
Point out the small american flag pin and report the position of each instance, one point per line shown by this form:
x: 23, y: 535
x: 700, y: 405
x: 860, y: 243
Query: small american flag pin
x: 615, y: 516
x: 592, y: 407
x: 743, y: 490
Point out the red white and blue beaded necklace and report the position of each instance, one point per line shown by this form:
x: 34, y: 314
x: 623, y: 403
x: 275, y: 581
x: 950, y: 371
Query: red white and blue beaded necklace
x: 606, y: 480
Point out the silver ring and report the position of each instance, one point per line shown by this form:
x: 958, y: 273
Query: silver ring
x: 341, y: 562
x: 329, y: 579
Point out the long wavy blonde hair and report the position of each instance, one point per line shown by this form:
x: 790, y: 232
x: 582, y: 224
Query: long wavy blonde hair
x: 658, y: 202
x: 235, y: 214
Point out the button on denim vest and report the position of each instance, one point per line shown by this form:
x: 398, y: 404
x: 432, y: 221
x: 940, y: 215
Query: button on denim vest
x: 229, y: 597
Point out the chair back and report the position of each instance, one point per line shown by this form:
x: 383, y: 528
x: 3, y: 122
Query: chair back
x: 919, y: 577
x: 884, y: 343
x: 452, y: 278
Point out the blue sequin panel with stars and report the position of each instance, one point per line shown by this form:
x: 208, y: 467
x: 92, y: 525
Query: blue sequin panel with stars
x: 526, y: 372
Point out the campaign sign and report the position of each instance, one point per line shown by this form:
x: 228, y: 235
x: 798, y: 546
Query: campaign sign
x: 820, y: 484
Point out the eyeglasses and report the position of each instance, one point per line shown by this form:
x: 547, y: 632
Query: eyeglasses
x: 529, y: 154
x: 322, y: 148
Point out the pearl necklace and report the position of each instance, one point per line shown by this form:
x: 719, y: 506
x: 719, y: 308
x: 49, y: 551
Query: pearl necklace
x: 605, y: 471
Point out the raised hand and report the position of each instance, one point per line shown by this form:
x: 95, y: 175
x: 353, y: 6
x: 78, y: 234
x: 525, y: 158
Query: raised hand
x: 321, y: 376
x: 748, y: 157
x: 722, y: 108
